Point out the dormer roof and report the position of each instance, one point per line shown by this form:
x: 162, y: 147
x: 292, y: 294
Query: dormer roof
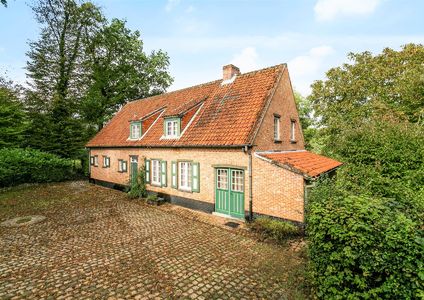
x: 215, y: 115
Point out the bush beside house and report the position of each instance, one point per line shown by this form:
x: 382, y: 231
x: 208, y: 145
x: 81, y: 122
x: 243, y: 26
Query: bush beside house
x: 33, y: 166
x: 361, y: 248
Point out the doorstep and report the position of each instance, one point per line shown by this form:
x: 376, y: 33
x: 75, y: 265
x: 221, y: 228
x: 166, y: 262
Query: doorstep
x: 228, y: 217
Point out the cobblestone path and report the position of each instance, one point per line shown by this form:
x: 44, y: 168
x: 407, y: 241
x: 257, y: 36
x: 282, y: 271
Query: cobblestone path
x: 100, y: 245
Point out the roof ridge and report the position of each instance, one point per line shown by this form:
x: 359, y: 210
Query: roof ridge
x: 210, y: 82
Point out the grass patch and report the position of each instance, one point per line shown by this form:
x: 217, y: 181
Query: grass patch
x: 276, y: 230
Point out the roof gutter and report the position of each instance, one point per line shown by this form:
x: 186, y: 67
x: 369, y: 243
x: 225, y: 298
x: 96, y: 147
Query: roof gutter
x: 168, y: 146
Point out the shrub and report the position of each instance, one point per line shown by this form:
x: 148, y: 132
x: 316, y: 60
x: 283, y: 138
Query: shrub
x: 152, y: 197
x: 275, y: 229
x: 33, y: 166
x: 138, y: 186
x: 360, y: 247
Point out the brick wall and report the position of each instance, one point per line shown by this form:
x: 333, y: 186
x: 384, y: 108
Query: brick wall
x: 277, y: 191
x: 205, y: 157
x: 282, y: 103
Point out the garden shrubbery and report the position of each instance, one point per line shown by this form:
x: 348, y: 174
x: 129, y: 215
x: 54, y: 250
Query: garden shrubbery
x: 275, y: 229
x: 138, y: 187
x: 33, y: 166
x: 360, y: 247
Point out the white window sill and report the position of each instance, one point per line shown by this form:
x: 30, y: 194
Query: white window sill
x: 187, y: 190
x: 163, y: 137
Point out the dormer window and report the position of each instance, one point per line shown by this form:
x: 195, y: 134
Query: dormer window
x: 135, y: 130
x: 172, y: 127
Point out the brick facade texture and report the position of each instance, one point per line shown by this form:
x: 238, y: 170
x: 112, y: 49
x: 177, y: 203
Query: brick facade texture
x: 276, y: 191
x: 283, y: 104
x: 205, y: 157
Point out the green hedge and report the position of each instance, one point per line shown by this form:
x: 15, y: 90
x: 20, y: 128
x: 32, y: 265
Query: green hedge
x: 31, y: 166
x: 361, y: 248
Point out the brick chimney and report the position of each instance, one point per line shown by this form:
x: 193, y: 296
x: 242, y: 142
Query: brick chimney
x: 229, y: 71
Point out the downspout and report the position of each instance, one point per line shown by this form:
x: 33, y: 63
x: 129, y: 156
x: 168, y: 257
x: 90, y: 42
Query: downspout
x: 89, y: 165
x: 249, y: 153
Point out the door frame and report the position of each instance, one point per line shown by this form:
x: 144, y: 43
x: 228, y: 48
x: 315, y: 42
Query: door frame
x: 229, y: 169
x: 133, y: 159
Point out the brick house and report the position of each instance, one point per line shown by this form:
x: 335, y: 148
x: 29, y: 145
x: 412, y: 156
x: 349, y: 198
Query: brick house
x: 233, y: 146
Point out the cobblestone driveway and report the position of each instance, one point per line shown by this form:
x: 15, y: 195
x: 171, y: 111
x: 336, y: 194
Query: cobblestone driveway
x: 98, y: 244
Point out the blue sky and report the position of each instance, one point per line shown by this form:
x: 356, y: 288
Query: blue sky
x: 202, y: 36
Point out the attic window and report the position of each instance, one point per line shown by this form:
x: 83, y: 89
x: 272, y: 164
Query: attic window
x: 293, y: 131
x: 135, y: 130
x: 172, y: 127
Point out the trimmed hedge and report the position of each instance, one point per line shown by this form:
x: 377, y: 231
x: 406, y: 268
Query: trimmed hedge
x: 33, y: 166
x: 275, y: 229
x: 361, y: 248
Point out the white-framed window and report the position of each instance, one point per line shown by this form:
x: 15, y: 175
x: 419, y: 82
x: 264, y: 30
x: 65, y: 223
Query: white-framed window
x: 135, y: 130
x: 96, y: 160
x: 91, y: 160
x: 222, y: 179
x: 237, y: 180
x: 122, y: 166
x: 184, y: 175
x: 171, y: 128
x: 106, y: 162
x: 292, y: 130
x: 277, y: 128
x: 156, y: 172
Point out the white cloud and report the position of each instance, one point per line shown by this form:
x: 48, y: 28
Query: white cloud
x: 170, y: 4
x: 306, y: 67
x: 327, y: 10
x: 246, y: 60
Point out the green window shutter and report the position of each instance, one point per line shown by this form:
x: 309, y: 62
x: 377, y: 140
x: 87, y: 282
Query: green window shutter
x: 195, y: 177
x: 147, y: 167
x: 163, y: 172
x: 174, y: 174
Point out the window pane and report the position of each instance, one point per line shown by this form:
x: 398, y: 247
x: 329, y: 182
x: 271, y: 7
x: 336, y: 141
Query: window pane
x: 184, y: 175
x: 237, y: 180
x: 156, y: 178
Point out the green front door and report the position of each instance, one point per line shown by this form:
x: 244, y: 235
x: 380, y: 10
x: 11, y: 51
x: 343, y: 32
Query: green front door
x: 134, y: 169
x: 229, y: 192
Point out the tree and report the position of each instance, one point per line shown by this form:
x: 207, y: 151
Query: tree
x: 387, y: 84
x: 308, y: 122
x: 12, y: 116
x: 120, y: 71
x: 4, y: 2
x: 55, y: 70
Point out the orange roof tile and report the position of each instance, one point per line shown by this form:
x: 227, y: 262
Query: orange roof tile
x: 227, y: 115
x: 305, y: 162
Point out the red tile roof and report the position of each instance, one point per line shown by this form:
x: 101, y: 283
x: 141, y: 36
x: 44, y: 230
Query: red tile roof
x: 226, y: 114
x: 305, y: 162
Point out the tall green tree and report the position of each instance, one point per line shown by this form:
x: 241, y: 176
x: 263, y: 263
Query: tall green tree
x: 119, y: 71
x: 308, y: 122
x: 55, y: 70
x: 12, y: 116
x: 370, y: 88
